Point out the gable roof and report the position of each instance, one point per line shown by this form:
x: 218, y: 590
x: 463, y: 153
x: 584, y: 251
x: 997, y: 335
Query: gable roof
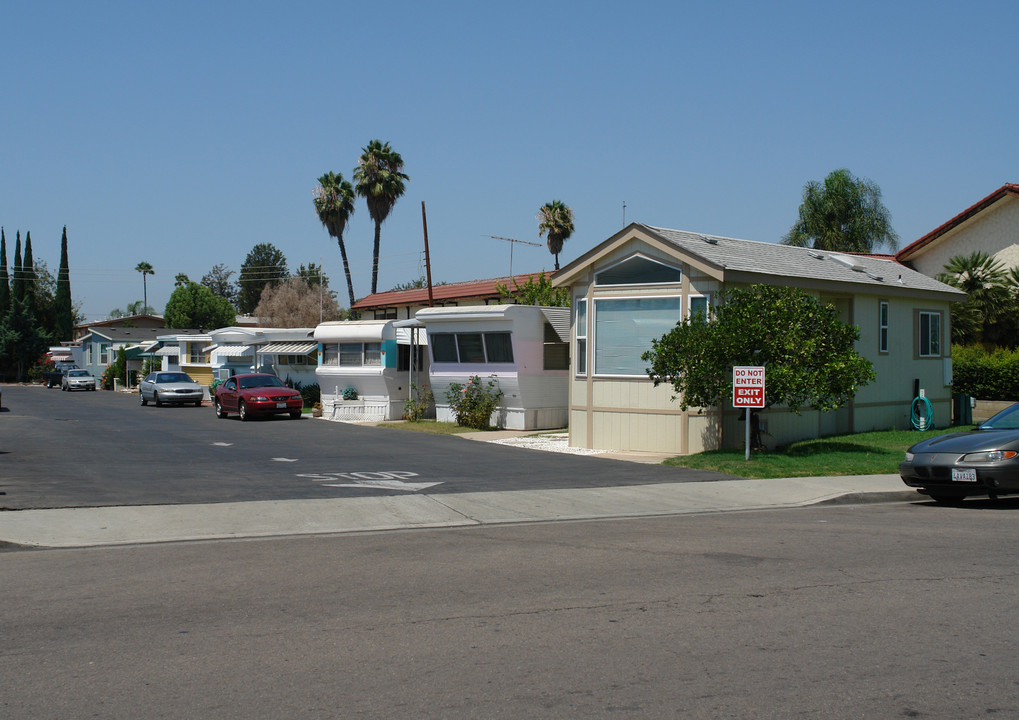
x: 735, y: 260
x: 915, y: 248
x: 450, y: 292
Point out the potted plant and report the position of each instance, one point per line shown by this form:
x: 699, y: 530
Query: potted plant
x: 316, y: 410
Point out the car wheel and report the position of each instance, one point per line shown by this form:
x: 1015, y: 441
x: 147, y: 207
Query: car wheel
x: 242, y: 410
x: 198, y: 403
x: 63, y: 388
x: 142, y: 396
x: 220, y: 413
x: 295, y: 414
x: 155, y: 396
x: 947, y: 499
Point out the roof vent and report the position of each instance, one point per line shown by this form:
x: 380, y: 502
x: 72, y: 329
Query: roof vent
x: 872, y: 276
x: 815, y: 254
x: 851, y: 263
x: 709, y: 240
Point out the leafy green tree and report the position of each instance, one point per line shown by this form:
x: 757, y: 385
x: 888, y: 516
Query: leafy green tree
x: 63, y: 305
x: 381, y: 182
x: 334, y: 204
x: 842, y: 214
x: 807, y: 351
x: 313, y: 275
x: 555, y: 222
x: 264, y: 266
x: 218, y: 281
x: 193, y: 306
x: 5, y: 286
x: 22, y: 342
x: 986, y: 283
x: 536, y: 292
x: 145, y: 269
x: 181, y: 279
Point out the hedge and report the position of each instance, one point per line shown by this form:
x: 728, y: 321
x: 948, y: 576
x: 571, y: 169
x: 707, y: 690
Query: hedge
x: 985, y: 375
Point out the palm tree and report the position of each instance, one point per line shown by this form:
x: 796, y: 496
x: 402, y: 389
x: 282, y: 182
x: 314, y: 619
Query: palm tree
x: 334, y: 204
x: 145, y: 269
x: 556, y: 223
x: 987, y: 284
x: 842, y: 214
x: 380, y: 181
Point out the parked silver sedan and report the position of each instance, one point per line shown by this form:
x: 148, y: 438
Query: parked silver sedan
x: 77, y: 380
x: 170, y: 388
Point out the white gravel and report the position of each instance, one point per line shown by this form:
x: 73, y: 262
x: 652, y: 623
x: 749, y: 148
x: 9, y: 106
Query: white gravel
x: 556, y: 442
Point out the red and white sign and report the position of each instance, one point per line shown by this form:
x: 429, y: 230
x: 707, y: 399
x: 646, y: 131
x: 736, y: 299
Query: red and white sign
x: 748, y: 387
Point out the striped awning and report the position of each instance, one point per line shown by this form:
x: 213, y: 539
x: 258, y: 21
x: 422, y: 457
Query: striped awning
x: 168, y: 350
x: 232, y: 350
x: 288, y: 348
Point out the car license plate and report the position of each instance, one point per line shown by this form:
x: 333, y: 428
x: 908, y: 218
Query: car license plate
x: 280, y: 406
x: 964, y: 475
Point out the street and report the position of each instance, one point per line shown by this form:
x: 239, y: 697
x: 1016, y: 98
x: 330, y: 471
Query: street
x: 870, y: 611
x: 83, y: 449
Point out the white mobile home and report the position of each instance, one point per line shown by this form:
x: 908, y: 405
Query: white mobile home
x: 366, y: 368
x: 524, y: 348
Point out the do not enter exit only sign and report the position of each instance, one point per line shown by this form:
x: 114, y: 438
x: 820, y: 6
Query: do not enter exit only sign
x: 748, y: 387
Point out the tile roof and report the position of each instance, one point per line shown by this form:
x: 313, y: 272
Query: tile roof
x: 443, y: 293
x: 908, y: 252
x: 762, y: 258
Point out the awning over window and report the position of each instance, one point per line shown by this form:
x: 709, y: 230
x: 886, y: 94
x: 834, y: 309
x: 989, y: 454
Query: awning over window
x: 168, y: 350
x: 229, y: 350
x: 288, y: 348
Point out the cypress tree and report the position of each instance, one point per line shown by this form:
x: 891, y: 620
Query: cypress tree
x: 18, y: 281
x: 5, y: 287
x: 28, y: 271
x: 65, y: 311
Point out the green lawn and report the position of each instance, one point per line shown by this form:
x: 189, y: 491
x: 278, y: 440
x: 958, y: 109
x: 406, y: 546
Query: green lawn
x: 868, y: 453
x: 429, y: 426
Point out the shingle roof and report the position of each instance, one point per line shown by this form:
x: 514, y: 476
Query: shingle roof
x: 761, y: 258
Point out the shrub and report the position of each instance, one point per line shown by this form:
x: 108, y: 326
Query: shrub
x: 350, y: 393
x: 311, y: 394
x: 985, y: 375
x: 473, y: 404
x: 419, y: 402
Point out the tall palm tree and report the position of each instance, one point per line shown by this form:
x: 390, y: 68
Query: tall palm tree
x: 145, y: 269
x: 555, y: 221
x: 334, y: 204
x: 380, y: 181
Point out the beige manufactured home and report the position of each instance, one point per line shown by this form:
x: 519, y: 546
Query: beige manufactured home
x: 638, y: 283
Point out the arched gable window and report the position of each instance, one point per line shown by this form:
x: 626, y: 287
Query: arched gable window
x: 638, y: 270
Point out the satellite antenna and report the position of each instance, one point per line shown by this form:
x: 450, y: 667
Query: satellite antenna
x: 512, y: 242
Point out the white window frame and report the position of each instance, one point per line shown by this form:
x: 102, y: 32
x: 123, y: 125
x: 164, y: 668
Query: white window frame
x: 883, y: 317
x: 920, y: 350
x: 642, y: 256
x: 689, y: 303
x: 581, y: 344
x: 593, y: 345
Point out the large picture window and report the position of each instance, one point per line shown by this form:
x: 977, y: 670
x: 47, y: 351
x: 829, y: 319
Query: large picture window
x: 472, y: 348
x: 624, y: 328
x: 360, y: 354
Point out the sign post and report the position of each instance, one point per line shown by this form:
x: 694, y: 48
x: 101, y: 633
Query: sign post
x: 748, y: 393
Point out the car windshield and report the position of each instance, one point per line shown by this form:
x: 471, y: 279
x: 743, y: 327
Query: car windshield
x: 1007, y: 419
x: 257, y: 381
x: 78, y: 373
x: 173, y: 378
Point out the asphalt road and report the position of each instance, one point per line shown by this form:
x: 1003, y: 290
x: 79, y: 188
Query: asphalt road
x: 60, y: 449
x: 904, y: 610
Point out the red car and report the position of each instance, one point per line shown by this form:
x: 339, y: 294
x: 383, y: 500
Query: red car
x: 256, y: 394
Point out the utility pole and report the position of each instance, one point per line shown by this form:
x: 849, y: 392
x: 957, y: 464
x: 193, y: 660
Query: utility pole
x: 428, y: 262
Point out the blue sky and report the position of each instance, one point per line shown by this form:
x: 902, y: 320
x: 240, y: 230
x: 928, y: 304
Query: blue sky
x: 182, y: 134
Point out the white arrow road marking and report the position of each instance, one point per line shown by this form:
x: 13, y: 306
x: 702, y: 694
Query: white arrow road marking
x: 221, y: 444
x: 386, y: 485
x: 285, y: 459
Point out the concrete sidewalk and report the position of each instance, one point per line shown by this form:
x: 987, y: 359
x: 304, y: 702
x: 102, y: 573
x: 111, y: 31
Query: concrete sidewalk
x: 86, y: 527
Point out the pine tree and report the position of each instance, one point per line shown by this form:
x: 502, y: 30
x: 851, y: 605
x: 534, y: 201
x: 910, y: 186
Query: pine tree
x: 5, y: 287
x: 65, y: 311
x: 18, y: 281
x: 28, y: 271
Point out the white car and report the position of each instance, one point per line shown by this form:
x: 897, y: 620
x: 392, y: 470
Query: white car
x: 170, y: 388
x: 77, y: 380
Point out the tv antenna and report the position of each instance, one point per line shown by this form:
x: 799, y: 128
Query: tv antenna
x: 512, y: 242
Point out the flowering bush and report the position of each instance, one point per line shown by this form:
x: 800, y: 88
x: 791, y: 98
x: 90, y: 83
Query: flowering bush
x: 473, y: 404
